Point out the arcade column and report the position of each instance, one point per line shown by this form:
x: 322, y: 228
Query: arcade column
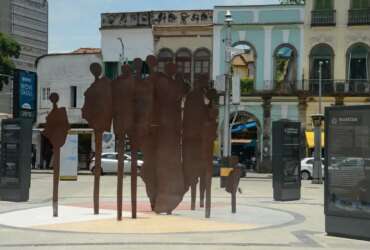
x: 265, y: 165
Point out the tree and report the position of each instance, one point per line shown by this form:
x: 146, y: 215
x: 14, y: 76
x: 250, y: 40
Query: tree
x: 292, y: 1
x: 8, y: 48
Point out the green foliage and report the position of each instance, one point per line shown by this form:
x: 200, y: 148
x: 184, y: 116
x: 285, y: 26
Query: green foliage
x: 292, y: 1
x: 246, y: 86
x: 8, y: 48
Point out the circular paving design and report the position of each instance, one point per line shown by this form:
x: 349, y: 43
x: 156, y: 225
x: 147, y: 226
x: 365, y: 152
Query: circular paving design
x: 79, y: 218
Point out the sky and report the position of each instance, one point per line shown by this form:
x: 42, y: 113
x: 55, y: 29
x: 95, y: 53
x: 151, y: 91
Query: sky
x: 75, y: 23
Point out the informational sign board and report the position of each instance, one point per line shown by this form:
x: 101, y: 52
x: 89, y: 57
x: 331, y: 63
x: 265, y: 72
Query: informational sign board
x: 69, y: 159
x: 15, y: 161
x: 286, y: 161
x: 25, y: 94
x: 347, y: 171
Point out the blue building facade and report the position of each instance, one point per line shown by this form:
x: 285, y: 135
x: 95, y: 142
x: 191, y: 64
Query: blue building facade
x: 268, y: 49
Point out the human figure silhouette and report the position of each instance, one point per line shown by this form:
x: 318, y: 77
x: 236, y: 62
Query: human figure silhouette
x: 56, y: 130
x: 97, y: 110
x: 148, y: 171
x: 123, y: 90
x: 170, y: 179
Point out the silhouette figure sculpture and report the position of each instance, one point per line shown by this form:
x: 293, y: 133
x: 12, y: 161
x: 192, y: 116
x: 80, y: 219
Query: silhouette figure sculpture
x: 123, y: 122
x: 199, y: 133
x: 195, y: 113
x: 149, y: 147
x: 170, y: 179
x: 97, y: 110
x: 56, y: 130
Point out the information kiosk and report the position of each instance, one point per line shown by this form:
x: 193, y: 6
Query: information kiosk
x: 286, y: 162
x: 15, y: 161
x: 347, y: 171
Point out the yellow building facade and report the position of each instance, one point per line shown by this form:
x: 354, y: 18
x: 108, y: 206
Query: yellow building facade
x: 337, y: 36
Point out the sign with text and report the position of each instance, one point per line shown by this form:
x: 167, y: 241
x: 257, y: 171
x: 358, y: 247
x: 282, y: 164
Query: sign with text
x: 347, y: 170
x: 25, y: 94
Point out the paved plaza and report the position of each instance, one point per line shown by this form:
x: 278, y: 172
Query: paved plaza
x: 260, y: 222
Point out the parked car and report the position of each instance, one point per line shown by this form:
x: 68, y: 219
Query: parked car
x: 217, y: 166
x: 109, y: 163
x: 307, y: 168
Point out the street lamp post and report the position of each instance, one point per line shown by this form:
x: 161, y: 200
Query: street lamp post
x: 317, y: 121
x: 122, y: 55
x: 226, y: 131
x: 320, y: 86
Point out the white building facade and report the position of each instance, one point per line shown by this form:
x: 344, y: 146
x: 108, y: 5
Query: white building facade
x: 68, y: 75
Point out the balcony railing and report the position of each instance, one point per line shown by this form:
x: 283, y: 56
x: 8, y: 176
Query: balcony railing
x: 323, y: 18
x: 359, y: 17
x: 353, y: 87
x: 329, y: 87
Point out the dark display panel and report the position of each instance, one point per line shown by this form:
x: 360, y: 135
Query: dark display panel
x: 286, y: 160
x: 291, y: 153
x: 348, y: 162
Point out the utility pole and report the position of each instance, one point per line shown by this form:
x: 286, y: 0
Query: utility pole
x: 226, y: 153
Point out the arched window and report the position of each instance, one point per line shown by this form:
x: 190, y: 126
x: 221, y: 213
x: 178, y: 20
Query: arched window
x: 202, y: 63
x: 321, y: 57
x: 285, y: 65
x: 183, y: 63
x: 358, y: 62
x: 244, y: 65
x: 165, y: 56
x: 358, y: 66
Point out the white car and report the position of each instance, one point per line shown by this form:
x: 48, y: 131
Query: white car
x: 109, y: 163
x: 307, y: 168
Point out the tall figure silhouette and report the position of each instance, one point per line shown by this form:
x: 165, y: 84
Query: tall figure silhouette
x: 170, y: 179
x: 56, y: 131
x: 97, y: 110
x: 149, y: 145
x: 123, y: 90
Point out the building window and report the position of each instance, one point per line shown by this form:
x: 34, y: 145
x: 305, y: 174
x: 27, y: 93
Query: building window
x: 73, y: 96
x: 323, y: 13
x: 358, y: 67
x: 165, y: 56
x: 321, y: 54
x: 183, y: 64
x: 359, y: 14
x: 111, y: 70
x: 45, y: 94
x: 323, y: 5
x: 202, y: 64
x: 285, y: 66
x: 244, y: 66
x: 360, y: 4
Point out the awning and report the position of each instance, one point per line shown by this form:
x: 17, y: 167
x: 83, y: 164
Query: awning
x: 243, y: 127
x: 310, y: 138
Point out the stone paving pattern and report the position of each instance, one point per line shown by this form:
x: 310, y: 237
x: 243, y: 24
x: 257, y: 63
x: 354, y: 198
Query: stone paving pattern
x: 257, y: 225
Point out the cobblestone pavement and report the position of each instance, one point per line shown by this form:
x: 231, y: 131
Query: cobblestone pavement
x: 260, y: 223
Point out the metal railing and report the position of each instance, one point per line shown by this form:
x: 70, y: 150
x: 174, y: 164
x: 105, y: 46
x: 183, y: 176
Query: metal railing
x: 323, y: 18
x: 330, y: 87
x: 352, y: 87
x: 359, y: 17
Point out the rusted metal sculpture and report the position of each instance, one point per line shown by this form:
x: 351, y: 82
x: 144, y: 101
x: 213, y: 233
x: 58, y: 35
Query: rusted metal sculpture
x: 123, y: 91
x: 232, y: 182
x: 56, y: 130
x: 97, y: 110
x: 148, y: 171
x: 174, y: 131
x: 199, y: 133
x: 170, y: 182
